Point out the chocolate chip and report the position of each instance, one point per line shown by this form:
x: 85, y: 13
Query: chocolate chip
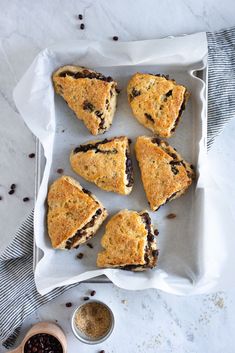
x: 88, y: 106
x: 155, y: 253
x: 149, y: 117
x: 156, y: 140
x: 115, y: 38
x: 98, y: 113
x: 150, y: 237
x: 68, y: 305
x: 173, y: 155
x: 93, y: 292
x: 171, y: 215
x: 89, y: 245
x: 13, y: 186
x: 82, y: 26
x: 80, y: 17
x: 31, y: 155
x: 60, y: 171
x: 86, y: 298
x: 103, y: 351
x: 156, y: 232
x: 117, y: 90
x: 86, y: 191
x: 11, y: 192
x: 191, y: 166
x: 42, y: 343
x: 135, y: 93
x: 174, y: 170
x: 26, y: 199
x: 0, y: 198
x: 80, y: 255
x: 169, y: 93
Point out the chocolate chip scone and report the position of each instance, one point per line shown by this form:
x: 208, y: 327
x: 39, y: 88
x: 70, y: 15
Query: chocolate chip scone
x: 91, y: 95
x: 106, y: 163
x: 74, y: 214
x: 165, y: 174
x: 157, y: 102
x: 129, y: 242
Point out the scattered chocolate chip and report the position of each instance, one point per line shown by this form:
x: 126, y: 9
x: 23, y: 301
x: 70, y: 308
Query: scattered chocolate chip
x: 63, y: 130
x: 117, y: 90
x: 13, y: 186
x: 60, y: 171
x: 80, y: 17
x: 93, y: 292
x: 26, y: 199
x: 68, y: 305
x: 115, y: 38
x: 82, y: 26
x: 86, y: 298
x: 171, y: 215
x: 80, y: 255
x: 0, y: 198
x: 11, y: 192
x: 89, y: 245
x: 156, y: 232
x: 31, y: 155
x: 103, y: 351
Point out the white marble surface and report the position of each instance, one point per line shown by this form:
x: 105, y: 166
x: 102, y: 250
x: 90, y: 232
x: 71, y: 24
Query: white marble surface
x: 158, y: 322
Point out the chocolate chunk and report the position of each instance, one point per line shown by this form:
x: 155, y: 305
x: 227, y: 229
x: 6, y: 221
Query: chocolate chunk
x: 60, y: 171
x: 13, y: 186
x: 156, y: 140
x: 86, y: 191
x: 115, y: 38
x: 98, y: 113
x: 88, y: 106
x: 89, y: 245
x: 93, y: 292
x: 169, y: 93
x: 80, y: 255
x: 26, y: 199
x: 171, y: 216
x: 68, y: 305
x: 155, y: 253
x: 86, y: 298
x: 31, y: 155
x: 66, y: 73
x: 149, y: 117
x: 80, y: 17
x: 82, y: 26
x: 11, y: 192
x: 156, y: 232
x: 150, y: 237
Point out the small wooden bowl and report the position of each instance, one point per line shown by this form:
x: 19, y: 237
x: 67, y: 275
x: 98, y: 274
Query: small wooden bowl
x: 43, y: 327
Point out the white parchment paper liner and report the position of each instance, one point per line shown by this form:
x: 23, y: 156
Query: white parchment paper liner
x: 189, y: 271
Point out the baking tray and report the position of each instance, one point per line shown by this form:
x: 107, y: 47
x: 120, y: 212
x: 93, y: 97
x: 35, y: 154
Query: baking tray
x: 181, y: 268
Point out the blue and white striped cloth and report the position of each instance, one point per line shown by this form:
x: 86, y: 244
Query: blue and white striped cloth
x: 18, y: 294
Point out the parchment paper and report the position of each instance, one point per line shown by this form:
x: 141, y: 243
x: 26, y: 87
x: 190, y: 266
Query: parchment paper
x: 187, y: 263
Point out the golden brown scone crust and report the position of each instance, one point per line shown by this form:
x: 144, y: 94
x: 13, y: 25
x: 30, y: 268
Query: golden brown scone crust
x: 163, y: 174
x: 125, y: 242
x: 156, y: 102
x: 93, y: 100
x: 70, y: 209
x: 105, y: 164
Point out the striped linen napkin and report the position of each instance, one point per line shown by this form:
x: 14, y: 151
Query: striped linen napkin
x: 18, y: 294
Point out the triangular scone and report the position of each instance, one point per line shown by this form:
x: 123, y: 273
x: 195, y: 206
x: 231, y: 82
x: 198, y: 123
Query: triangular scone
x: 164, y: 173
x: 129, y: 242
x: 157, y: 102
x: 106, y: 163
x: 91, y: 96
x: 74, y: 214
